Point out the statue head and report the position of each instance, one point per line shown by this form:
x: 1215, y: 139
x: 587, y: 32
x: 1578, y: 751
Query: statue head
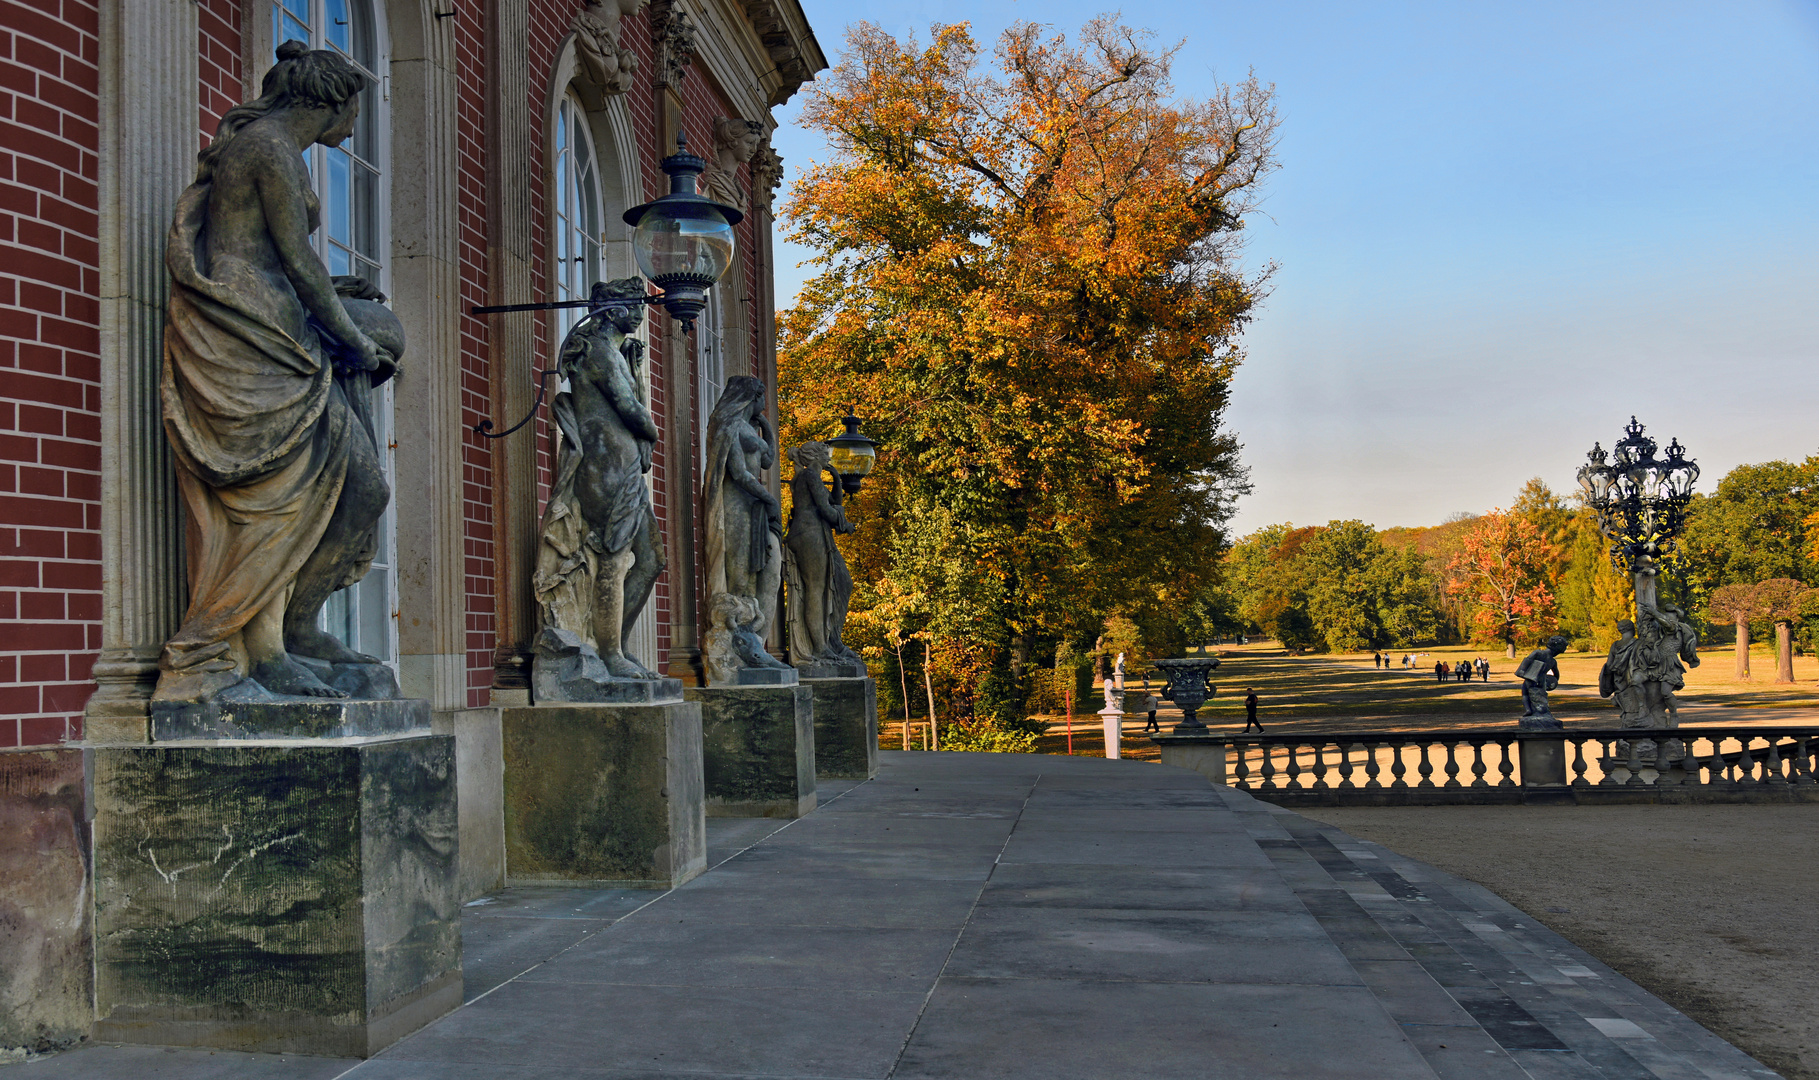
x: 742, y: 399
x: 1556, y: 644
x: 737, y: 139
x: 303, y: 78
x: 812, y: 457
x: 621, y: 302
x: 1626, y: 628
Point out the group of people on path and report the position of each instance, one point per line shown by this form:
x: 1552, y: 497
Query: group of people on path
x: 1462, y: 671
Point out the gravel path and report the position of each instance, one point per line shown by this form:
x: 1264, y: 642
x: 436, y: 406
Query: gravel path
x: 1712, y: 908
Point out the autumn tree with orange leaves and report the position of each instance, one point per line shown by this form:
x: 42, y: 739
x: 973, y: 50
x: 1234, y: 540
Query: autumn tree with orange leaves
x: 1028, y: 285
x: 1503, y: 569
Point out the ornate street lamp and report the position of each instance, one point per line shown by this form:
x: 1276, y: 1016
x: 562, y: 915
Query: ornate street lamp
x: 852, y: 455
x: 1640, y: 499
x: 683, y: 241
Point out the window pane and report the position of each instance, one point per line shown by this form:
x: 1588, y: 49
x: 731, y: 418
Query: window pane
x: 337, y: 29
x: 366, y: 41
x: 299, y: 8
x: 366, y: 213
x: 290, y: 29
x: 339, y: 265
x: 336, y: 201
x: 365, y: 143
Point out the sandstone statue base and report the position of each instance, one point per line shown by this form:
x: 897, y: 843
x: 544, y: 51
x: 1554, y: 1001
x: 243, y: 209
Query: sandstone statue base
x: 46, y: 948
x: 279, y: 897
x: 607, y: 796
x: 758, y: 749
x: 846, y: 727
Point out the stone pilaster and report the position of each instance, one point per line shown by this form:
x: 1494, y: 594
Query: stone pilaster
x: 148, y: 156
x: 512, y: 341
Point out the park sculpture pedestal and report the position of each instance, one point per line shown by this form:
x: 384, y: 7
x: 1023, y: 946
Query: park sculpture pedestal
x: 276, y: 876
x: 603, y: 795
x: 846, y: 721
x: 758, y: 749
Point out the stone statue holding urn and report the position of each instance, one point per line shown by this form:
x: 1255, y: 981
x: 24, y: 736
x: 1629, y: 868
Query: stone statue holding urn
x: 820, y: 587
x: 268, y: 367
x: 1540, y: 673
x: 601, y: 551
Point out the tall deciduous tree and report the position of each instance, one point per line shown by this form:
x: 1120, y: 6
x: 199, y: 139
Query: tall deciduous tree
x: 1780, y: 600
x: 1028, y: 285
x: 1736, y: 605
x: 1505, y: 569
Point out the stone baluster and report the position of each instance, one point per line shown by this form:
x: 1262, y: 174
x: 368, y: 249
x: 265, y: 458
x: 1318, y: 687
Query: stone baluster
x: 1398, y: 767
x: 1771, y: 767
x: 1717, y: 771
x: 1345, y: 767
x: 1478, y: 763
x: 1508, y: 748
x: 1452, y: 765
x: 1242, y: 767
x: 1607, y: 748
x: 1269, y: 765
x: 1425, y: 766
x: 1372, y: 769
x: 1320, y: 783
x: 1580, y: 766
x: 1803, y: 759
x: 1634, y: 764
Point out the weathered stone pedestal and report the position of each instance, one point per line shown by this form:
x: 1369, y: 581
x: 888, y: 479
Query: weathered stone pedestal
x: 846, y: 727
x: 46, y: 959
x: 608, y: 796
x: 278, y: 895
x: 758, y: 749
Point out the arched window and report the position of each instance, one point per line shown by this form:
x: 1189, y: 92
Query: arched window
x: 350, y: 179
x: 578, y: 219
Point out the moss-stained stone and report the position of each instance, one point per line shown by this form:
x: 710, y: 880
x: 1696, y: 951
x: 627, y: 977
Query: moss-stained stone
x: 604, y: 794
x: 45, y: 935
x: 757, y: 749
x: 289, y: 898
x: 846, y: 727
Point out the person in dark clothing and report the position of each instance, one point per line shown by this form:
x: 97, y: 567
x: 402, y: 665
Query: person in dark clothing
x: 1440, y: 671
x: 1484, y: 669
x: 1250, y: 710
x: 1376, y: 659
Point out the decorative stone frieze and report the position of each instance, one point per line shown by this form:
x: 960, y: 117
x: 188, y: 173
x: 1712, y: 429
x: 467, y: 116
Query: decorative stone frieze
x: 674, y: 33
x: 604, y: 66
x: 767, y: 174
x: 736, y: 142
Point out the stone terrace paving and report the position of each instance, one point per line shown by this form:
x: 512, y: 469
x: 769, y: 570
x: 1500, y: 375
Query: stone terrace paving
x: 984, y: 915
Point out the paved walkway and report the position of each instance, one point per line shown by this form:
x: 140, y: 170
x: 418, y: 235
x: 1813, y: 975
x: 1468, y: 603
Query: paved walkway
x: 976, y: 916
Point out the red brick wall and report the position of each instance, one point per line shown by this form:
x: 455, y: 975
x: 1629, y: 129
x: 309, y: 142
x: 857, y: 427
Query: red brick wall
x: 217, y: 63
x: 50, y: 368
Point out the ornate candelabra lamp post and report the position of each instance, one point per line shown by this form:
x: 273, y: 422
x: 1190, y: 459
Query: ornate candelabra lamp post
x: 1641, y: 502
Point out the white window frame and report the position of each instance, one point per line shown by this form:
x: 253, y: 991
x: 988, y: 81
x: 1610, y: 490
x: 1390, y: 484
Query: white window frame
x: 354, y: 614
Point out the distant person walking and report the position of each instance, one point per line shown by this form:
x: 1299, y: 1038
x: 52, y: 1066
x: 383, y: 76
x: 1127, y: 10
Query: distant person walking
x: 1484, y: 669
x: 1376, y: 660
x: 1440, y: 671
x: 1250, y: 711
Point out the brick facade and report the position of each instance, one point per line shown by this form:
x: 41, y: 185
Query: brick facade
x: 50, y: 427
x: 50, y: 374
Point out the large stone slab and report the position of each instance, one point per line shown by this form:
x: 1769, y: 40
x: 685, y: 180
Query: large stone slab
x: 758, y: 749
x: 45, y: 933
x: 846, y: 727
x: 327, y: 718
x: 604, y: 795
x: 288, y: 898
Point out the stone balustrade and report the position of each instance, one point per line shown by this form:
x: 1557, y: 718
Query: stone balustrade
x: 1686, y: 764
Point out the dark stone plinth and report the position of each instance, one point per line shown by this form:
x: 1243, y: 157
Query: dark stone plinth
x: 325, y: 718
x: 831, y: 669
x: 758, y: 749
x: 1539, y: 723
x: 45, y: 936
x: 768, y: 676
x: 608, y: 795
x: 568, y: 669
x: 616, y: 692
x: 846, y: 727
x: 281, y: 898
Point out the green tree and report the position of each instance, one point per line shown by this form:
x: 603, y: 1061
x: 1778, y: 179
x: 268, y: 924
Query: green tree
x: 1504, y: 569
x: 1028, y: 284
x: 1751, y: 528
x: 1736, y: 605
x: 1781, y: 601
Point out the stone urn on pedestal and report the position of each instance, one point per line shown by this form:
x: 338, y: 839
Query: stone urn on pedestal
x: 1188, y: 688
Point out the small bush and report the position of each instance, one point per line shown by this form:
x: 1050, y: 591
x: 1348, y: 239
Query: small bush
x: 986, y: 736
x: 1582, y: 644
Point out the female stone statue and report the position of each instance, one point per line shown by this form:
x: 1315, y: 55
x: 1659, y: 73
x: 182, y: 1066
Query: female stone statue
x: 742, y: 525
x: 267, y: 373
x: 820, y: 587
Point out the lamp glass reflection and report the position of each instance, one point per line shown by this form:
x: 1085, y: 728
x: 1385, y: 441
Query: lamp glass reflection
x: 694, y: 245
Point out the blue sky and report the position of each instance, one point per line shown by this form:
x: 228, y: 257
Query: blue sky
x: 1502, y: 229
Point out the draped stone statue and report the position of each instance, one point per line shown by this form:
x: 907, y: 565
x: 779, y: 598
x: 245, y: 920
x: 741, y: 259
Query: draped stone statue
x: 741, y: 530
x: 735, y: 141
x: 601, y: 551
x: 819, y: 586
x: 1648, y: 663
x: 268, y: 368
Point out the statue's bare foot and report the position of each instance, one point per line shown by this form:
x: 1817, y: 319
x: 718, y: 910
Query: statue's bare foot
x: 624, y: 667
x: 321, y: 645
x: 289, y: 677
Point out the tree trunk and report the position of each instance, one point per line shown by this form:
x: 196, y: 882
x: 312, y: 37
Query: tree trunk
x: 1784, y: 651
x: 1509, y: 650
x: 1743, y: 648
x: 928, y: 687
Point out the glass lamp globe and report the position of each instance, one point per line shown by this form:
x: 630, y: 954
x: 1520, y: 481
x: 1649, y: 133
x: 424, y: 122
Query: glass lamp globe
x: 851, y: 455
x: 683, y: 242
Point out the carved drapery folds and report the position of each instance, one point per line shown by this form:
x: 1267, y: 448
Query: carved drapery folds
x: 674, y: 33
x: 735, y: 142
x: 605, y: 68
